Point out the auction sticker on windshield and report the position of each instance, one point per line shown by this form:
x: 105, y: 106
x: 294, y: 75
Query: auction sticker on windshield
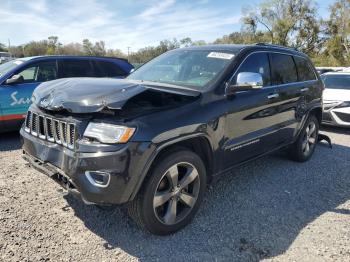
x: 220, y: 55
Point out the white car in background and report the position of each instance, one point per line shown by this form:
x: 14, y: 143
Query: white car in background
x: 5, y: 57
x: 336, y: 99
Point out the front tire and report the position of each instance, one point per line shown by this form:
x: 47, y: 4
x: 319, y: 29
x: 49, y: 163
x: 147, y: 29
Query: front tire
x: 171, y: 194
x: 304, y: 147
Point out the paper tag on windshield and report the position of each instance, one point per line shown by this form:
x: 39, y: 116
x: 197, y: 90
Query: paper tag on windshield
x: 18, y: 62
x: 220, y: 55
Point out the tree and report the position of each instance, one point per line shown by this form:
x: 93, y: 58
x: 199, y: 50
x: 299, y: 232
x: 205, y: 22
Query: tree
x: 3, y: 48
x: 35, y: 48
x: 243, y: 37
x: 88, y: 47
x: 72, y: 49
x: 17, y: 51
x: 97, y: 49
x: 53, y: 45
x: 283, y: 19
x: 337, y: 31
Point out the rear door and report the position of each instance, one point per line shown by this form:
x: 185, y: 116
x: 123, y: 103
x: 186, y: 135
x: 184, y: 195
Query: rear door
x: 288, y: 88
x: 16, y: 98
x: 309, y: 84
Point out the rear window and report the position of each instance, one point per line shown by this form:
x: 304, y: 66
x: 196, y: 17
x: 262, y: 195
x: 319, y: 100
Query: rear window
x: 305, y: 71
x: 77, y: 68
x: 108, y: 69
x: 283, y: 69
x: 336, y: 81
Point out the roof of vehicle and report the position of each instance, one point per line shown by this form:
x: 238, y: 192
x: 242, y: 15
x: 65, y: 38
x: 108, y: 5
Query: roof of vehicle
x: 235, y: 48
x: 70, y: 56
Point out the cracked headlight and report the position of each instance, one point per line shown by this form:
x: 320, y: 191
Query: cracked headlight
x: 108, y: 133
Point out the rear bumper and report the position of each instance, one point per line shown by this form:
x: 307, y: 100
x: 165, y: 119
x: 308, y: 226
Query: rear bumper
x: 125, y: 167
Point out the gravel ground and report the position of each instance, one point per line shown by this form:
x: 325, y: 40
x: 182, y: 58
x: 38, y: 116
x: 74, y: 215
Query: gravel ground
x: 271, y: 209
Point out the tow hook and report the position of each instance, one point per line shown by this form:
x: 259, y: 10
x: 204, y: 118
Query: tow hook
x: 326, y: 138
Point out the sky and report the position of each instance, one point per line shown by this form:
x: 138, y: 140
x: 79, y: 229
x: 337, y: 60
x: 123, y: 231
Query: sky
x: 123, y: 23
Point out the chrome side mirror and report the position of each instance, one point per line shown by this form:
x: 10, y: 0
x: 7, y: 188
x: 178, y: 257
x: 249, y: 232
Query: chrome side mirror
x: 245, y: 81
x: 253, y: 80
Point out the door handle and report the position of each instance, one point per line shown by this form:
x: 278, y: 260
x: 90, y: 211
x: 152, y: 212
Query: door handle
x: 303, y: 90
x: 276, y: 95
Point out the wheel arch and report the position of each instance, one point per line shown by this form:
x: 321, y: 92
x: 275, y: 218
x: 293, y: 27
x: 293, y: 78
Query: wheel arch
x: 316, y: 111
x: 197, y: 143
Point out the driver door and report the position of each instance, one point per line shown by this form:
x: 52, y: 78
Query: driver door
x: 16, y: 97
x: 252, y: 123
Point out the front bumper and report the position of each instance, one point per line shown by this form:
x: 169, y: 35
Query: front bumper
x: 337, y: 116
x: 125, y: 165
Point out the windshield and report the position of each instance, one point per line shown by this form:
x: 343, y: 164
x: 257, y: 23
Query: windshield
x: 6, y: 67
x: 189, y: 68
x: 337, y: 81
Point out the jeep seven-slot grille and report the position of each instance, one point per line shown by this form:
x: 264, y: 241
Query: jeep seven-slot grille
x: 51, y: 129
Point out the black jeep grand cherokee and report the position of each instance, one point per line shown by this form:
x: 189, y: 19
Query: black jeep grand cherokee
x: 155, y: 139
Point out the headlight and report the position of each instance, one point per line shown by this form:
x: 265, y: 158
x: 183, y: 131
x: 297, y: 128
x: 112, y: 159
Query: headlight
x: 344, y: 104
x: 108, y: 133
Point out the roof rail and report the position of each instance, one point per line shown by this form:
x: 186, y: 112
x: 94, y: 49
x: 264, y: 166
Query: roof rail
x: 85, y: 56
x: 279, y: 46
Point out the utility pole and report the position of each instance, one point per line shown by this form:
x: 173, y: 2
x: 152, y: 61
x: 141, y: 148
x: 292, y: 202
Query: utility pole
x: 9, y: 46
x: 128, y: 51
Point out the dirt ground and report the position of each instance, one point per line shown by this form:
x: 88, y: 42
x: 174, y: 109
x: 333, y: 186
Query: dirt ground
x: 272, y: 209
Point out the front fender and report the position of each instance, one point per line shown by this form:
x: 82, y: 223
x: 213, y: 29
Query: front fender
x: 159, y: 148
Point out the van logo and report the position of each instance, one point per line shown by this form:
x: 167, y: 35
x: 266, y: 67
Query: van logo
x: 19, y: 101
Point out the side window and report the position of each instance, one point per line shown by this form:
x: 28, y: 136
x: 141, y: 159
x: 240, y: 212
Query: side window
x: 39, y: 72
x: 305, y: 71
x: 256, y: 63
x: 107, y: 69
x: 77, y: 68
x: 283, y: 69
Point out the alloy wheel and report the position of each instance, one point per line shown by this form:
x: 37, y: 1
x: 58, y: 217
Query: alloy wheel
x: 176, y: 193
x: 309, y: 140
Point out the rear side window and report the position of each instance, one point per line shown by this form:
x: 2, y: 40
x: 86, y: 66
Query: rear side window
x: 77, y: 68
x: 283, y: 69
x: 39, y: 72
x: 256, y: 63
x: 305, y: 72
x: 108, y: 69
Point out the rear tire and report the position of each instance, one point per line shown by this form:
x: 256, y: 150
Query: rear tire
x: 171, y: 194
x: 304, y: 147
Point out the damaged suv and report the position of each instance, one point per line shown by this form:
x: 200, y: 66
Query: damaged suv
x: 154, y: 140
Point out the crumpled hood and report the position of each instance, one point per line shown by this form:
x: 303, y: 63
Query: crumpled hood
x: 88, y: 95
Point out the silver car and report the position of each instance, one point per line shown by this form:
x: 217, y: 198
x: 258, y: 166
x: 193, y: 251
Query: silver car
x: 336, y: 99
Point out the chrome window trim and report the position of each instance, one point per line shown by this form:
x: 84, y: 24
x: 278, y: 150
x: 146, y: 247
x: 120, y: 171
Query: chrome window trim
x: 276, y: 52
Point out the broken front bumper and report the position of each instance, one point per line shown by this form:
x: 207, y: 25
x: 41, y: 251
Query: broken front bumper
x: 80, y: 172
